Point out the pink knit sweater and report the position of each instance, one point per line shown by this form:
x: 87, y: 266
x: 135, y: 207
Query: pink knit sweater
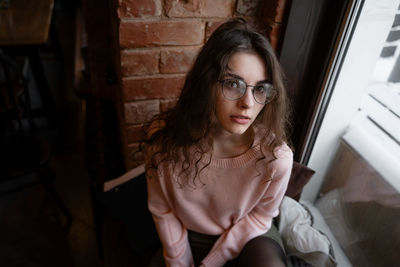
x: 235, y: 198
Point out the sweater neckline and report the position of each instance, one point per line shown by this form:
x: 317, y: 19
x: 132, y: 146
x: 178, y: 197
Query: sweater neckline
x: 234, y: 162
x: 238, y: 161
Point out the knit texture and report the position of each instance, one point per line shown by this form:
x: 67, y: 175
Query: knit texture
x: 235, y: 198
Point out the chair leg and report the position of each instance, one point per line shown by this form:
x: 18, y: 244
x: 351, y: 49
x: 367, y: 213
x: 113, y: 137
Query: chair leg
x: 46, y: 176
x: 98, y: 225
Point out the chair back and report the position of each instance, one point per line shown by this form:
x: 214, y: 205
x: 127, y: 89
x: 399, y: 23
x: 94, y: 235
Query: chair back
x: 17, y: 128
x: 15, y: 105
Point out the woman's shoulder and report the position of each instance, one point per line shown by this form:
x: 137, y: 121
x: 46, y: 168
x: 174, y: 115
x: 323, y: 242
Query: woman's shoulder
x: 268, y: 142
x: 279, y: 157
x: 283, y: 151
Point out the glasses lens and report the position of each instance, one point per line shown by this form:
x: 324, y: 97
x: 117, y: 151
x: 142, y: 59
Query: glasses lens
x: 233, y: 89
x: 264, y: 93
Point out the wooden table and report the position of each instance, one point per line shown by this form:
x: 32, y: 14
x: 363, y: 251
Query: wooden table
x: 23, y: 27
x: 25, y: 22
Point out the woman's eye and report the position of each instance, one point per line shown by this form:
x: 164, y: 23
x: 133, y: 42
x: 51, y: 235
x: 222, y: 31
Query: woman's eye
x: 233, y: 84
x: 260, y: 89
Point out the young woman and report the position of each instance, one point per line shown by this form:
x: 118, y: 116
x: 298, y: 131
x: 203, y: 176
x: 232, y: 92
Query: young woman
x: 217, y: 163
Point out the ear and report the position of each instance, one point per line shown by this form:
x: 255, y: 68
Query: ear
x: 299, y: 177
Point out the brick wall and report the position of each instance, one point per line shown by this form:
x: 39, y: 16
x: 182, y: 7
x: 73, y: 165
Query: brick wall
x: 159, y: 40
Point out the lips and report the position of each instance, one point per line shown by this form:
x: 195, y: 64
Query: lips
x: 241, y: 119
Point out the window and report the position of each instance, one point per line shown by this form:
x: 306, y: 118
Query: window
x: 350, y: 81
x: 356, y: 154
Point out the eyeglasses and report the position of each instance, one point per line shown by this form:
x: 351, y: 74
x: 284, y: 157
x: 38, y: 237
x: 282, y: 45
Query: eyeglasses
x: 234, y: 89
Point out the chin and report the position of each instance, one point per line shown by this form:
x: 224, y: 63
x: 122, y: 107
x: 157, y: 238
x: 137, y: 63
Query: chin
x: 239, y: 130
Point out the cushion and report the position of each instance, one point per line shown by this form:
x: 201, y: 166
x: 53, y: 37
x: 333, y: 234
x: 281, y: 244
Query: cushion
x: 320, y: 224
x: 301, y: 239
x: 300, y: 176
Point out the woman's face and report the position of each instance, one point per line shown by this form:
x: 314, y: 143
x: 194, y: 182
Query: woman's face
x: 236, y: 116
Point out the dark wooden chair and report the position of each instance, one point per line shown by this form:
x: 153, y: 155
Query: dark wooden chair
x: 24, y: 155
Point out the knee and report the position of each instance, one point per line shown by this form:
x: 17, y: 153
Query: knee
x: 261, y: 252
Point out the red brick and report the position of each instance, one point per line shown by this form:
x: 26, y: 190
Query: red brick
x: 140, y: 111
x: 178, y: 60
x: 139, y: 8
x: 167, y: 104
x: 134, y: 133
x: 152, y: 87
x: 199, y: 8
x: 247, y: 7
x: 212, y: 26
x: 139, y: 62
x: 158, y: 33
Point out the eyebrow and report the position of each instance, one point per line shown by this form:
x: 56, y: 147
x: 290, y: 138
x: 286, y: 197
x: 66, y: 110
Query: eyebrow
x: 233, y: 75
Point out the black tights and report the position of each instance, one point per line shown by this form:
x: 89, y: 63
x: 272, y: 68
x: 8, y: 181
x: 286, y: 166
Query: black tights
x: 260, y: 252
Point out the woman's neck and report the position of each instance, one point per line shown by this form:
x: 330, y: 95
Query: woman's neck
x: 227, y: 145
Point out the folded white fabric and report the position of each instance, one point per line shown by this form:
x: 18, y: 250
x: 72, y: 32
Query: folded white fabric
x: 300, y: 238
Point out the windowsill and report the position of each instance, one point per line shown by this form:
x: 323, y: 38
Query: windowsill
x: 381, y: 152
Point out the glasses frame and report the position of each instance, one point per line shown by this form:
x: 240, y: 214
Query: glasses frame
x: 247, y: 86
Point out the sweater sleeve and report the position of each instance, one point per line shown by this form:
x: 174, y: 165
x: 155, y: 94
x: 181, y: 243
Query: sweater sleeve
x: 172, y: 233
x: 256, y: 222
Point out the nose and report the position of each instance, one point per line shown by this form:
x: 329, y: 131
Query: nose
x: 247, y: 100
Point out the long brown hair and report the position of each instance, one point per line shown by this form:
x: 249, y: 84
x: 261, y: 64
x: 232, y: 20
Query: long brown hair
x: 190, y: 121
